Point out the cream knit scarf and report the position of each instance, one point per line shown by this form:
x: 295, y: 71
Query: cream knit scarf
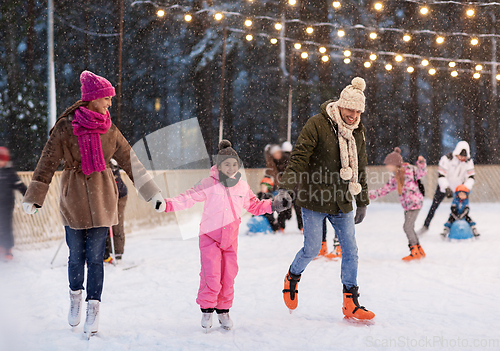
x: 348, y: 149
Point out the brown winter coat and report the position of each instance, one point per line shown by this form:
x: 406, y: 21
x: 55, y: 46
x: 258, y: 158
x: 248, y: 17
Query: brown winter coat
x: 87, y: 201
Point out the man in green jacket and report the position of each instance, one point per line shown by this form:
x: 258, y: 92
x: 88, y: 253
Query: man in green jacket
x: 328, y: 164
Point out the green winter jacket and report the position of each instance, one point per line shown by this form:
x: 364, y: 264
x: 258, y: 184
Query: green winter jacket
x: 314, y: 167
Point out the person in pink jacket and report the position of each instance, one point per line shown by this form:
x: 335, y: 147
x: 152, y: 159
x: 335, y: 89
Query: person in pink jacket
x: 225, y: 195
x: 405, y: 179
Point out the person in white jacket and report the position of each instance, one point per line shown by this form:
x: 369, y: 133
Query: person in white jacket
x: 454, y: 169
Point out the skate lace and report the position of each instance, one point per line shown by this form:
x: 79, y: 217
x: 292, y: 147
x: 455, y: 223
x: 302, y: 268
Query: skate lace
x: 91, y: 313
x: 75, y: 306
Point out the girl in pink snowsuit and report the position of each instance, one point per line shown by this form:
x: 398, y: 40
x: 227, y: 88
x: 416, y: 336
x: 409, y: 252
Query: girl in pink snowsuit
x: 225, y: 195
x: 405, y: 180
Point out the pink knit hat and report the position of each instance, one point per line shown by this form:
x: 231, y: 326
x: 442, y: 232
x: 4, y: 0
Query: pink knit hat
x: 394, y: 158
x: 95, y: 87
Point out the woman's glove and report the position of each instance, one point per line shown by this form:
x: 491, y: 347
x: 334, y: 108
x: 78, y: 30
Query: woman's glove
x: 159, y: 203
x: 282, y: 201
x: 30, y: 208
x: 360, y: 215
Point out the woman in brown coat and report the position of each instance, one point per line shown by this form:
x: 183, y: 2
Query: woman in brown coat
x: 85, y: 139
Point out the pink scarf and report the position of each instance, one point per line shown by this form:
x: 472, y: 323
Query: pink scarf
x: 87, y: 125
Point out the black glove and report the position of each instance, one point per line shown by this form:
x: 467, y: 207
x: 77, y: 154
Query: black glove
x: 449, y: 193
x: 282, y: 201
x: 360, y: 215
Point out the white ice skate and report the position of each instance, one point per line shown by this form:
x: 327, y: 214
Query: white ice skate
x: 225, y: 321
x: 445, y: 233
x: 206, y: 321
x: 92, y: 322
x: 422, y: 230
x: 75, y: 308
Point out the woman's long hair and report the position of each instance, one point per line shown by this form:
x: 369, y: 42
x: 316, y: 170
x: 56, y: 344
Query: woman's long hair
x: 70, y: 110
x: 400, y: 179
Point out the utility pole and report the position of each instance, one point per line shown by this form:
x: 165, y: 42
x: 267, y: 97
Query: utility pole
x: 120, y: 68
x: 51, y: 86
x: 222, y: 85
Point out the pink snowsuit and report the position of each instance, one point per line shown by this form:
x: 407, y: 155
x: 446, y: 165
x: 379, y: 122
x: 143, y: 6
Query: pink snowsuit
x: 411, y: 198
x: 219, y: 233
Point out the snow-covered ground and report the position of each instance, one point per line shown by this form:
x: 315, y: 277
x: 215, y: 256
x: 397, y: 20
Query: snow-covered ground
x: 448, y: 300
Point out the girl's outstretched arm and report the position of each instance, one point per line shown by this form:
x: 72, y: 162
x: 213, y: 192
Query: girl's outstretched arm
x: 421, y: 168
x: 187, y: 199
x: 255, y: 206
x: 383, y: 191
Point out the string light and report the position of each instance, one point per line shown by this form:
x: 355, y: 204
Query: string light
x: 248, y: 23
x: 218, y: 16
x: 347, y: 53
x: 373, y: 35
x: 292, y: 2
x: 406, y: 37
x: 452, y: 64
x: 424, y: 10
x: 160, y: 13
x: 309, y: 30
x: 325, y: 58
x: 336, y: 4
x: 474, y: 41
x: 278, y: 26
x: 367, y: 64
x: 498, y: 77
x: 398, y: 58
x: 341, y: 33
x: 388, y: 67
x: 378, y: 6
x: 188, y: 17
x: 410, y: 69
x: 440, y: 40
x: 425, y: 63
x: 454, y: 74
x: 476, y: 75
x: 322, y: 49
x: 469, y: 12
x: 373, y: 57
x: 297, y: 46
x: 304, y: 55
x: 274, y: 41
x: 249, y: 37
x: 347, y: 61
x: 479, y: 68
x: 432, y: 71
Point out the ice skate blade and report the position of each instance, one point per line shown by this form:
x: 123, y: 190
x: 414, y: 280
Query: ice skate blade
x: 291, y: 311
x: 362, y: 322
x: 87, y: 336
x: 206, y: 330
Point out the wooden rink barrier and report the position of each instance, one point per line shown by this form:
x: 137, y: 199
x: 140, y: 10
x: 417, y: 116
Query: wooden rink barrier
x: 46, y: 225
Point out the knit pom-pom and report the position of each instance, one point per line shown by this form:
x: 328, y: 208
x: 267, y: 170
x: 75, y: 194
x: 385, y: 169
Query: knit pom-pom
x: 224, y: 144
x: 359, y: 83
x: 397, y: 149
x: 346, y: 173
x: 355, y: 188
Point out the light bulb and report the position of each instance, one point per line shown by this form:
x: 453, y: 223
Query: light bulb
x: 347, y: 61
x: 218, y: 16
x: 470, y: 13
x: 278, y: 26
x: 388, y: 67
x: 373, y: 35
x: 406, y: 37
x: 474, y: 41
x: 479, y: 67
x: 188, y: 17
x: 425, y: 62
x: 292, y: 2
x: 248, y: 23
x: 322, y: 49
x: 476, y: 75
x: 309, y: 30
x: 432, y: 71
x: 398, y: 58
x: 454, y: 73
x: 410, y: 69
x: 160, y: 13
x: 452, y: 64
x: 325, y: 58
x: 347, y: 53
x: 424, y: 10
x: 367, y: 64
x: 336, y: 4
x: 373, y: 57
x: 304, y: 55
x: 378, y: 6
x: 249, y: 37
x: 440, y: 40
x: 341, y: 33
x: 297, y: 46
x: 274, y: 41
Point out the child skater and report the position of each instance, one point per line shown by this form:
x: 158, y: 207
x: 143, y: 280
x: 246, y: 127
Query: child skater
x: 225, y: 195
x: 460, y: 210
x: 266, y: 188
x: 404, y: 179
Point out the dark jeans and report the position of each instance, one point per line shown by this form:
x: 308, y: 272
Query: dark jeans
x: 436, y: 201
x: 6, y: 233
x: 86, y: 245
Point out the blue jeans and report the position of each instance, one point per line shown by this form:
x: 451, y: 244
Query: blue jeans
x: 343, y: 223
x: 86, y: 245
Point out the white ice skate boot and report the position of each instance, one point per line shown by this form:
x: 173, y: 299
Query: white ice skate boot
x: 75, y: 307
x: 422, y: 230
x: 224, y: 320
x: 445, y: 232
x: 206, y: 319
x: 92, y: 322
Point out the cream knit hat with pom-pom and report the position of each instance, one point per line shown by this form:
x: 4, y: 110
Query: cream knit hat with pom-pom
x: 352, y: 97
